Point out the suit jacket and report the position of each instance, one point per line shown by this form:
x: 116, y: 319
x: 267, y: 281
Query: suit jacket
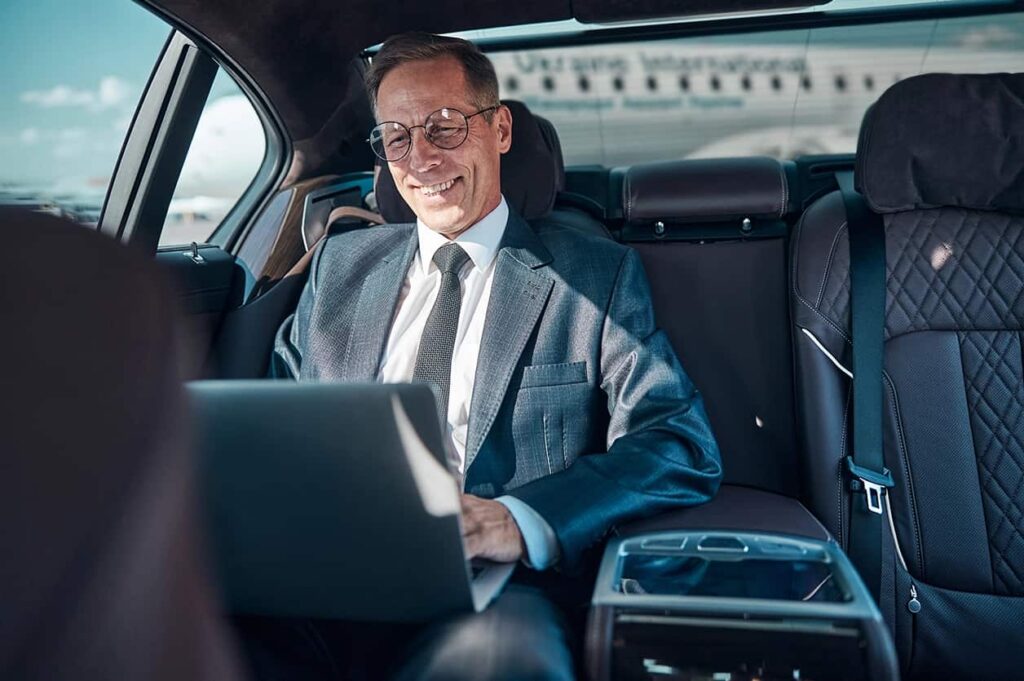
x: 579, y: 408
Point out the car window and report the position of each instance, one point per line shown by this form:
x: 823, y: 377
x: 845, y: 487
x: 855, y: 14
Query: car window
x: 225, y: 154
x: 782, y: 94
x: 68, y: 98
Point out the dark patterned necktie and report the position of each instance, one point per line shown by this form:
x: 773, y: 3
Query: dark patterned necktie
x: 434, y: 357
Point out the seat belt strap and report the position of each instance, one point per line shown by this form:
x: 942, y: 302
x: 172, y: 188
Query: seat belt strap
x: 866, y: 466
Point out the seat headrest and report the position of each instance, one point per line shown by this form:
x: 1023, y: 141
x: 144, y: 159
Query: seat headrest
x: 547, y: 130
x: 705, y: 190
x: 945, y: 140
x: 530, y: 172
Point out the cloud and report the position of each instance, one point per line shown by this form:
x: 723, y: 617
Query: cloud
x: 72, y: 142
x: 61, y: 95
x: 68, y: 150
x: 62, y: 137
x: 111, y: 92
x: 71, y: 134
x: 29, y: 136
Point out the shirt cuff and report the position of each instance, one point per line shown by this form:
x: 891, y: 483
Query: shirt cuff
x: 542, y: 549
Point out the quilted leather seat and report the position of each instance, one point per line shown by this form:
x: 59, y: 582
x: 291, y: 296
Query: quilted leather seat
x: 942, y: 158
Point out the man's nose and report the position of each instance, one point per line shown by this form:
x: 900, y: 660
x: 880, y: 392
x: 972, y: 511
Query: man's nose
x: 423, y: 154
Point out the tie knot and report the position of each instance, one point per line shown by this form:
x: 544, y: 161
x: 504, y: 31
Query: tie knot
x: 450, y: 258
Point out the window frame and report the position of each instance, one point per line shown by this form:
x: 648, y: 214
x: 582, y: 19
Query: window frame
x: 160, y: 134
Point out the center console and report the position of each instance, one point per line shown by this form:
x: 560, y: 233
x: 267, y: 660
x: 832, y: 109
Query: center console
x: 699, y: 596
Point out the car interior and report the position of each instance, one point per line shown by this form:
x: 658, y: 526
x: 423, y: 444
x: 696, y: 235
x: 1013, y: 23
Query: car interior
x: 750, y: 263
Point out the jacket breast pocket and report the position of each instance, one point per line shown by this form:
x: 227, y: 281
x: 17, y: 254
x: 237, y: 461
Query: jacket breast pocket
x: 564, y: 373
x: 549, y: 396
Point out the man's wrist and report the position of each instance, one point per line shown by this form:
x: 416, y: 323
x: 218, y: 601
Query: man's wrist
x: 540, y: 546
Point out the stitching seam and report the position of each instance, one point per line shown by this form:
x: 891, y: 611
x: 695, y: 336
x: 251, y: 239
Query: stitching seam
x: 565, y: 461
x: 831, y: 259
x: 904, y: 455
x: 785, y: 190
x: 842, y: 455
x: 547, y: 441
x: 796, y: 290
x: 977, y: 462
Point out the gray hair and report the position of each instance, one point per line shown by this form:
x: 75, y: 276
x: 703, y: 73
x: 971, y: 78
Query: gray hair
x: 417, y: 46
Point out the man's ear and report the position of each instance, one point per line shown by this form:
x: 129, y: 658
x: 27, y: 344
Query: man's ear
x: 503, y: 126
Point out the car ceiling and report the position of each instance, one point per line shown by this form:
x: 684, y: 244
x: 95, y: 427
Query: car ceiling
x: 301, y: 55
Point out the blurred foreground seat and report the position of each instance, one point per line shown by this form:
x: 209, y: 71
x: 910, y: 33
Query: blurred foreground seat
x: 101, y: 575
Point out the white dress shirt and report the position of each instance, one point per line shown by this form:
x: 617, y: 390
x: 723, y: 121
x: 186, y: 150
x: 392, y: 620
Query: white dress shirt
x: 481, y: 242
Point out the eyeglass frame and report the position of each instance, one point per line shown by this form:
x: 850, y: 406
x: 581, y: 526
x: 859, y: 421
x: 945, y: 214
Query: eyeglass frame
x: 409, y: 129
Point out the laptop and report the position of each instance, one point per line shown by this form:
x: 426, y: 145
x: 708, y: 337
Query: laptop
x: 334, y: 500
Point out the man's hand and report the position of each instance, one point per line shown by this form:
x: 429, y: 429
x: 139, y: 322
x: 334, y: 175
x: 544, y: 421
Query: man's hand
x: 489, y: 531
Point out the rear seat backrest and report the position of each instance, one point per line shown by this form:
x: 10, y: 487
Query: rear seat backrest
x: 942, y: 158
x: 719, y: 292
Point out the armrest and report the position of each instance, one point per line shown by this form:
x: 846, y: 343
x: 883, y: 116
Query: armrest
x: 664, y: 596
x: 741, y: 509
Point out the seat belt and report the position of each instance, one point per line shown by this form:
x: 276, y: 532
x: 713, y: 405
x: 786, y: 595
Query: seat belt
x: 866, y: 465
x: 337, y: 214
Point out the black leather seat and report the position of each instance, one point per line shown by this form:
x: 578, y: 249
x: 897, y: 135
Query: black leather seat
x: 719, y: 292
x: 942, y: 158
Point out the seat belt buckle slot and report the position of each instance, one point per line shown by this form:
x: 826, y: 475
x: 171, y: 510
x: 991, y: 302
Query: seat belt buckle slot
x: 873, y: 494
x: 872, y: 482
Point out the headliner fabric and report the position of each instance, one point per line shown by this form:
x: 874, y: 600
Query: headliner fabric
x: 529, y: 173
x: 945, y: 140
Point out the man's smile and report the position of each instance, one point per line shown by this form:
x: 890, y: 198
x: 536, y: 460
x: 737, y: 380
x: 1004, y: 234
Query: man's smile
x: 438, y: 189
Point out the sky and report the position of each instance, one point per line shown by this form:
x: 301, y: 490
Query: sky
x: 72, y: 77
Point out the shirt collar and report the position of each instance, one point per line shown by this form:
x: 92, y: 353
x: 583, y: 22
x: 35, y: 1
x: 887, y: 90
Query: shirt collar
x: 480, y: 241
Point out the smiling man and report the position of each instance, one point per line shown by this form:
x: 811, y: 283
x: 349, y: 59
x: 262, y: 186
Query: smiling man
x: 566, y: 409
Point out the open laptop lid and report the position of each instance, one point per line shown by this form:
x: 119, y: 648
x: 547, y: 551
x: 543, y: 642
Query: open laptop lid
x: 330, y: 500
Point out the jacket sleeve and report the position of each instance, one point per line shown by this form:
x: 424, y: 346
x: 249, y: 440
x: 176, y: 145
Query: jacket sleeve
x: 661, y: 451
x: 291, y: 338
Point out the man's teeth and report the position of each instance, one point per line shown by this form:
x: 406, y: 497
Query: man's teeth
x: 437, y: 188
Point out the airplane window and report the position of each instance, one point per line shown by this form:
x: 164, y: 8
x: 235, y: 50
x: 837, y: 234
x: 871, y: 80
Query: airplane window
x: 68, y: 99
x: 226, y: 152
x: 549, y: 83
x: 779, y: 93
x: 512, y: 84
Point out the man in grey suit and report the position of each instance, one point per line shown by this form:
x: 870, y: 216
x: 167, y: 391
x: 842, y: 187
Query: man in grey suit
x: 567, y: 409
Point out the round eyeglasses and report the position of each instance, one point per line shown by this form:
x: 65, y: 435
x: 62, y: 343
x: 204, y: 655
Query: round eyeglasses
x: 445, y: 128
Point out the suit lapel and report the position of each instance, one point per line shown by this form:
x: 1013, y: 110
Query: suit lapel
x: 375, y: 310
x: 518, y: 294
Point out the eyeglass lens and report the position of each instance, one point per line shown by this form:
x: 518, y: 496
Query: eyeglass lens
x: 444, y: 128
